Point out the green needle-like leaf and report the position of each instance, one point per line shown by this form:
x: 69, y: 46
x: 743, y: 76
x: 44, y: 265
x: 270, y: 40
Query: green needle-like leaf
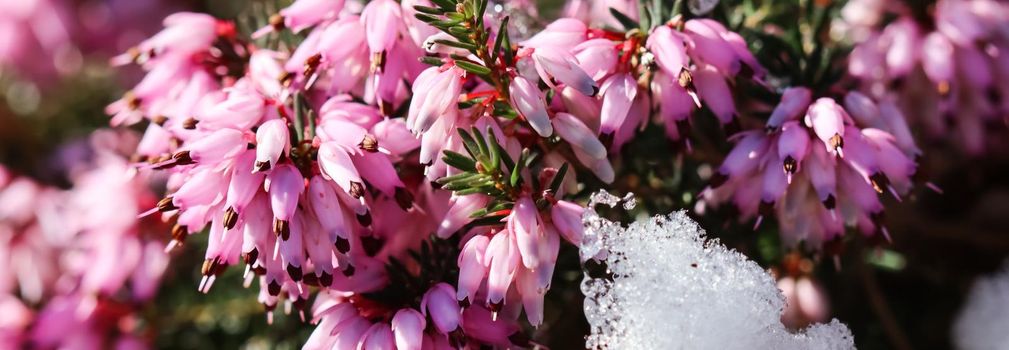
x: 445, y: 4
x: 459, y: 161
x: 495, y: 150
x: 429, y: 10
x: 496, y: 207
x: 517, y: 171
x: 473, y: 68
x: 624, y: 20
x: 481, y: 142
x: 426, y: 18
x: 505, y: 157
x: 488, y: 220
x: 464, y: 46
x: 468, y: 143
x: 479, y: 213
x: 434, y: 61
x: 481, y: 9
x: 502, y: 32
x: 456, y: 177
x: 555, y: 184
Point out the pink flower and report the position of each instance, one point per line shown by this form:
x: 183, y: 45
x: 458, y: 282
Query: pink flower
x: 185, y: 33
x: 502, y: 259
x: 597, y: 57
x: 306, y: 13
x: 528, y: 101
x: 215, y: 147
x: 714, y: 92
x: 525, y: 224
x: 79, y: 254
x: 773, y: 173
x: 572, y: 130
x: 38, y: 39
x: 552, y: 63
x: 324, y: 200
x: 675, y: 105
x: 459, y: 212
x: 564, y: 33
x: 272, y: 142
x: 709, y: 46
x: 794, y: 101
x: 442, y: 86
x: 618, y: 93
x: 904, y: 41
x: 669, y: 49
x: 285, y: 185
x: 343, y: 323
x: 805, y: 302
x: 244, y: 184
x: 408, y: 329
x: 340, y: 41
x: 381, y: 21
x: 441, y: 305
x: 827, y: 120
x: 793, y: 146
x: 479, y: 324
x: 953, y: 93
x: 337, y: 165
x: 378, y: 336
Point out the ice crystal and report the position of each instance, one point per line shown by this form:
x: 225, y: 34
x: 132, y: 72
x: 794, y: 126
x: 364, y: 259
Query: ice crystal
x: 667, y: 288
x: 983, y: 320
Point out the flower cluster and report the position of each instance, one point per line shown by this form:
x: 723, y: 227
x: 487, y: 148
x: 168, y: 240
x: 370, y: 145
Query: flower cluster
x: 672, y: 68
x: 79, y: 254
x: 315, y: 166
x: 818, y: 167
x: 346, y: 321
x: 23, y: 48
x: 46, y: 39
x: 412, y: 164
x: 944, y: 66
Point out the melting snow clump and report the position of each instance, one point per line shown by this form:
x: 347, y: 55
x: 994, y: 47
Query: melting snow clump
x: 666, y: 288
x: 984, y: 319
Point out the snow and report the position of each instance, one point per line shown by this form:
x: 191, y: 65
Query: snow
x: 669, y: 289
x: 984, y: 319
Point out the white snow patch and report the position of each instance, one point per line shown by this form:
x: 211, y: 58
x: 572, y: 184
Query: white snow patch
x: 672, y: 290
x: 984, y: 319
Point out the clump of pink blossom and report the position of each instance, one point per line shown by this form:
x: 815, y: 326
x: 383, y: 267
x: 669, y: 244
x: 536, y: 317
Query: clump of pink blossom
x: 818, y: 167
x: 945, y: 66
x: 78, y: 258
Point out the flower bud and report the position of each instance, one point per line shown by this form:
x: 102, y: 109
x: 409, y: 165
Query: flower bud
x: 528, y: 101
x: 272, y: 141
x: 408, y: 329
x: 553, y: 63
x: 440, y: 304
x: 618, y: 94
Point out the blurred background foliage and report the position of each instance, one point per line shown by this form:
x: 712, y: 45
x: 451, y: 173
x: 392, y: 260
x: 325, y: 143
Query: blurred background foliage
x: 892, y: 295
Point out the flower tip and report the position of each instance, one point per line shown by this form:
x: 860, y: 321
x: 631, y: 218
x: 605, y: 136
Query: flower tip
x: 935, y: 188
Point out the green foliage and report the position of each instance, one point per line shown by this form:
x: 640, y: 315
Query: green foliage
x: 435, y: 262
x: 486, y: 167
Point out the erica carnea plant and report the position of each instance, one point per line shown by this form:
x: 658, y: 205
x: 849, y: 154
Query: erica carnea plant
x: 414, y: 174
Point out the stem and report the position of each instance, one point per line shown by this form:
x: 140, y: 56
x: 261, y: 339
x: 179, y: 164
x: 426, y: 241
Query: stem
x: 488, y: 60
x: 299, y: 127
x: 879, y: 304
x: 677, y: 7
x: 311, y: 123
x: 678, y: 10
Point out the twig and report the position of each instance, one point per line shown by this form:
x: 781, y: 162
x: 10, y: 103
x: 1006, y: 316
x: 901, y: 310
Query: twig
x: 879, y: 305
